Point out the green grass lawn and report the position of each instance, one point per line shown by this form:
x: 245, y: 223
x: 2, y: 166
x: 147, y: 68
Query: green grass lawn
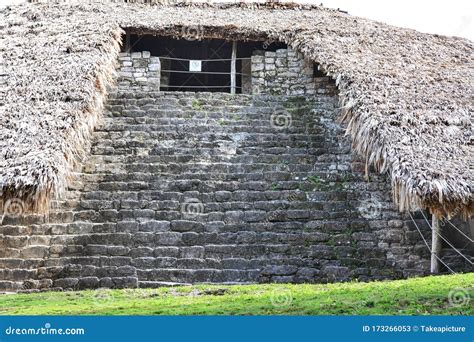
x: 440, y: 295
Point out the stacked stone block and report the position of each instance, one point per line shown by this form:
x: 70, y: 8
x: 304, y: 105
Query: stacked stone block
x: 284, y: 72
x: 139, y: 68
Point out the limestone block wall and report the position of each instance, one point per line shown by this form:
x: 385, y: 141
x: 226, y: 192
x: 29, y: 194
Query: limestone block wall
x: 140, y: 68
x: 282, y: 72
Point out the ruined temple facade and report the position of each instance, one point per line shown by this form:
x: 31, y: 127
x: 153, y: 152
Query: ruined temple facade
x: 202, y: 186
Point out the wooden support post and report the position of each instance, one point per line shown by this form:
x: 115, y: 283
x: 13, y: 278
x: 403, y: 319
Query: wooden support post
x: 435, y: 245
x: 233, y: 68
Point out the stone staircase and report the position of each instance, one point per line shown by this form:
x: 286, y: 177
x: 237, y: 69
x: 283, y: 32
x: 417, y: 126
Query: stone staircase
x: 200, y: 187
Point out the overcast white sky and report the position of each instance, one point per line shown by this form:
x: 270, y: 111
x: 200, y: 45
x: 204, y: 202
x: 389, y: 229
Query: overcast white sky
x: 447, y: 17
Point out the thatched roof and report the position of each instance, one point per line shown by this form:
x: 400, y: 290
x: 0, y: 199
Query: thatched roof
x: 407, y: 96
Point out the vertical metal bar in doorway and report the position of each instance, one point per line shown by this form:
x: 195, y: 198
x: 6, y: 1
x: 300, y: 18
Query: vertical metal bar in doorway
x: 233, y: 68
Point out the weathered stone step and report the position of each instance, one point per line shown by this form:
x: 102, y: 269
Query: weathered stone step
x: 114, y: 215
x: 211, y: 136
x: 219, y: 199
x: 18, y: 263
x: 21, y: 241
x: 199, y: 275
x: 27, y: 252
x: 268, y: 174
x: 217, y: 196
x: 157, y: 163
x: 139, y: 150
x: 16, y: 274
x: 11, y: 286
x: 92, y: 282
x: 129, y: 95
x: 221, y: 171
x: 137, y: 93
x: 229, y: 127
x: 188, y: 175
x: 232, y: 133
x: 213, y: 114
x: 158, y: 284
x: 160, y: 184
x: 154, y: 234
x: 201, y: 154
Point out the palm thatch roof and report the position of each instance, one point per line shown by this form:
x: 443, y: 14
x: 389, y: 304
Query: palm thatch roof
x: 407, y: 97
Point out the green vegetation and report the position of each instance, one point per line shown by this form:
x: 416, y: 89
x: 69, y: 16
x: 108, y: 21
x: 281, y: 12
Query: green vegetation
x: 417, y: 296
x: 196, y: 105
x: 316, y: 180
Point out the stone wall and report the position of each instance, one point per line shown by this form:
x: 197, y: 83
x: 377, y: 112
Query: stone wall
x: 281, y: 72
x: 284, y: 72
x: 139, y: 68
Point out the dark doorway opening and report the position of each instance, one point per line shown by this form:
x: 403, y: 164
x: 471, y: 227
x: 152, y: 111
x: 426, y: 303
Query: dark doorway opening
x: 200, y: 65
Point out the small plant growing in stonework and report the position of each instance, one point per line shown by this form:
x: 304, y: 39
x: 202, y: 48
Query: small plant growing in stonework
x: 342, y: 183
x: 196, y: 104
x: 316, y: 180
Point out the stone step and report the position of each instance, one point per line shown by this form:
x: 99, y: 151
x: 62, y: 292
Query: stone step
x: 180, y: 175
x: 153, y: 110
x: 203, y: 181
x: 12, y: 263
x: 216, y: 101
x: 129, y: 94
x: 200, y: 155
x: 22, y: 241
x: 17, y: 274
x: 152, y: 172
x: 276, y: 139
x: 292, y: 133
x: 225, y: 203
x: 158, y: 284
x: 160, y: 184
x: 27, y: 252
x: 166, y: 109
x: 197, y: 129
x: 221, y: 170
x: 7, y: 286
x: 199, y: 275
x: 155, y: 233
x: 92, y: 282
